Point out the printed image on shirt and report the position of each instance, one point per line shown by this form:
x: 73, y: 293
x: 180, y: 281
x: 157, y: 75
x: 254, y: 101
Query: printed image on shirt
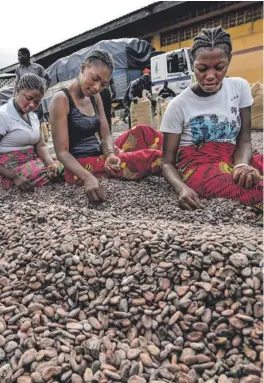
x: 213, y: 128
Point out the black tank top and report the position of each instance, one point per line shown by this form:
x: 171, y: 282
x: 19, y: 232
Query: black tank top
x: 82, y: 129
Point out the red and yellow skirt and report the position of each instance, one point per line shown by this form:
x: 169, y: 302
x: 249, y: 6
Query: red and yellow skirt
x: 139, y: 150
x: 208, y: 169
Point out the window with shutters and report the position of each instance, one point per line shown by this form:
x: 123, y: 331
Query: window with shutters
x: 228, y: 20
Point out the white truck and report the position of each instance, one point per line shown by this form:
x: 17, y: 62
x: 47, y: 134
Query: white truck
x: 175, y: 67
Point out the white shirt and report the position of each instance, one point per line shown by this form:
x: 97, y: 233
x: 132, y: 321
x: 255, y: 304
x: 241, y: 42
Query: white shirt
x: 17, y: 133
x: 32, y: 68
x: 213, y: 118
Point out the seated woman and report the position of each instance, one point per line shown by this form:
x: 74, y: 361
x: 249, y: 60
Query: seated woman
x: 208, y: 129
x: 77, y: 115
x: 25, y: 160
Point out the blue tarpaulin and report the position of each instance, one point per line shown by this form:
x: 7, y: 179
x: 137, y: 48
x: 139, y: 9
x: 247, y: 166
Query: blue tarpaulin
x: 127, y: 53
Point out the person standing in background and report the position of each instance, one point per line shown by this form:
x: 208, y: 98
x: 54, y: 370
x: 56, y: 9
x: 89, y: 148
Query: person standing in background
x: 107, y: 96
x: 166, y: 91
x: 25, y: 66
x: 136, y: 89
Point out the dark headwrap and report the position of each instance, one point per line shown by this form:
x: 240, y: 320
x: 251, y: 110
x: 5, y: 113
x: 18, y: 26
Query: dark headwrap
x: 101, y: 55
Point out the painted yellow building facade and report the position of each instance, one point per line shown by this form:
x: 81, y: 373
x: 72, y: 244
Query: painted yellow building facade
x: 247, y: 41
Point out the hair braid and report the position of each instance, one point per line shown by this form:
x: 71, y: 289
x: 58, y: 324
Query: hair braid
x: 211, y: 38
x: 31, y: 81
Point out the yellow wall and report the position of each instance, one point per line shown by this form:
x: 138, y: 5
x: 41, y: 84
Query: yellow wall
x: 155, y: 42
x: 247, y: 65
x: 247, y: 35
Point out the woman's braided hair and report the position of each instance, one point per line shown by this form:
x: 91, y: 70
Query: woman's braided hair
x: 31, y: 81
x: 98, y: 57
x: 212, y: 38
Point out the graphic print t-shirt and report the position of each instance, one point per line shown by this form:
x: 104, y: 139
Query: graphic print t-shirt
x: 205, y: 119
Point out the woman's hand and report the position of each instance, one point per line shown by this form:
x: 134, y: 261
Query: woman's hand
x: 112, y: 165
x: 246, y: 176
x: 23, y: 184
x: 189, y: 200
x: 53, y: 171
x: 93, y: 189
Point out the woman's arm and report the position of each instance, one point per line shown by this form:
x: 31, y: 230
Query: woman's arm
x: 112, y: 162
x: 243, y: 153
x: 22, y: 183
x: 105, y: 135
x: 171, y: 143
x: 172, y: 127
x: 59, y: 109
x: 43, y: 151
x: 244, y: 174
x: 188, y: 199
x: 7, y: 173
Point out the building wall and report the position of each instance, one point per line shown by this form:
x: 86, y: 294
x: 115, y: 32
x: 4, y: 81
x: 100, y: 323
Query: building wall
x: 247, y: 60
x: 247, y: 40
x: 7, y: 81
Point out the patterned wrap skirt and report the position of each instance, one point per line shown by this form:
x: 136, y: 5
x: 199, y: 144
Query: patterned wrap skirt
x: 26, y: 164
x: 139, y: 150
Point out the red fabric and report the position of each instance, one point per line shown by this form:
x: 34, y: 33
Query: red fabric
x: 139, y: 150
x: 208, y: 169
x: 146, y: 71
x: 138, y: 138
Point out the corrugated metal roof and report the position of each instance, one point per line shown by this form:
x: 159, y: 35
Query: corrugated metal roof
x: 3, y: 75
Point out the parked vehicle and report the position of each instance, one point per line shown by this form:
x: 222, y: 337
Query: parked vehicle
x: 175, y: 67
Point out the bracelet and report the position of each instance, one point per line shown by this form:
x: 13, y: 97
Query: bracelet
x: 239, y: 166
x: 109, y: 151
